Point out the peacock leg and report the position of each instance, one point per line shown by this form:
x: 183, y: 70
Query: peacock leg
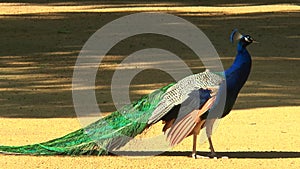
x: 196, y: 132
x: 209, y: 126
x: 194, y: 153
x: 211, y: 147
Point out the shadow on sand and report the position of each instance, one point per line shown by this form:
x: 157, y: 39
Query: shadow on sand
x: 238, y: 154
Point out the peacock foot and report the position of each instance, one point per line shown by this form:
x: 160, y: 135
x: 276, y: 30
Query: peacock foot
x: 208, y: 156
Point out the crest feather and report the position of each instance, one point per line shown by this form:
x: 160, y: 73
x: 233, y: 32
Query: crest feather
x: 235, y: 35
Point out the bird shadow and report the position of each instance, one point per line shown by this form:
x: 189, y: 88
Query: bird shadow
x: 238, y: 154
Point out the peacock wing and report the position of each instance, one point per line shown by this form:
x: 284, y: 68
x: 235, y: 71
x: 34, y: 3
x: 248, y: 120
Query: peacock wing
x: 180, y: 91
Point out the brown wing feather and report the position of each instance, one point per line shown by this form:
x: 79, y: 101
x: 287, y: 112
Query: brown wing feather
x: 185, y: 126
x: 181, y: 129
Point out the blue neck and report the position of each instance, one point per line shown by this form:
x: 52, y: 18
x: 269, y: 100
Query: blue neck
x: 238, y: 73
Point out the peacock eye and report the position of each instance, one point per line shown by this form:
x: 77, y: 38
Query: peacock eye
x: 247, y: 39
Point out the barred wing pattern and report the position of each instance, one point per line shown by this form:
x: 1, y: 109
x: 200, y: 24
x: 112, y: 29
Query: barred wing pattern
x: 179, y: 92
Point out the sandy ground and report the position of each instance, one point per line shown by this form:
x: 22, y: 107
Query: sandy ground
x: 39, y: 45
x: 250, y: 138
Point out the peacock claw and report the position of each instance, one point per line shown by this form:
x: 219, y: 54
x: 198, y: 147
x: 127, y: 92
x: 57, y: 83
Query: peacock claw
x: 209, y: 156
x: 212, y: 155
x: 195, y: 156
x: 215, y: 156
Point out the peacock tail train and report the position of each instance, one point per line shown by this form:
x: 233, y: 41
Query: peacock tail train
x: 102, y: 136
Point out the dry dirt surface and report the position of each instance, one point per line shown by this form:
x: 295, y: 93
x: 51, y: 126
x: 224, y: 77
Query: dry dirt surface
x: 41, y: 41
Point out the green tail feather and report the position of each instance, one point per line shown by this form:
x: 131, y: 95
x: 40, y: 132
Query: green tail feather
x: 100, y: 137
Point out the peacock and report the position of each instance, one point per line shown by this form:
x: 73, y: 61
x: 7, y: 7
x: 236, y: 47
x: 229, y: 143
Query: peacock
x: 185, y: 107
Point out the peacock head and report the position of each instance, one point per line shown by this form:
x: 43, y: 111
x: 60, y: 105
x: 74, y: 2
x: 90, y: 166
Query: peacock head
x: 244, y: 40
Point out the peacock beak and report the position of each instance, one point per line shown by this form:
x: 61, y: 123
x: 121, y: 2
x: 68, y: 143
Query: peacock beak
x: 253, y: 41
